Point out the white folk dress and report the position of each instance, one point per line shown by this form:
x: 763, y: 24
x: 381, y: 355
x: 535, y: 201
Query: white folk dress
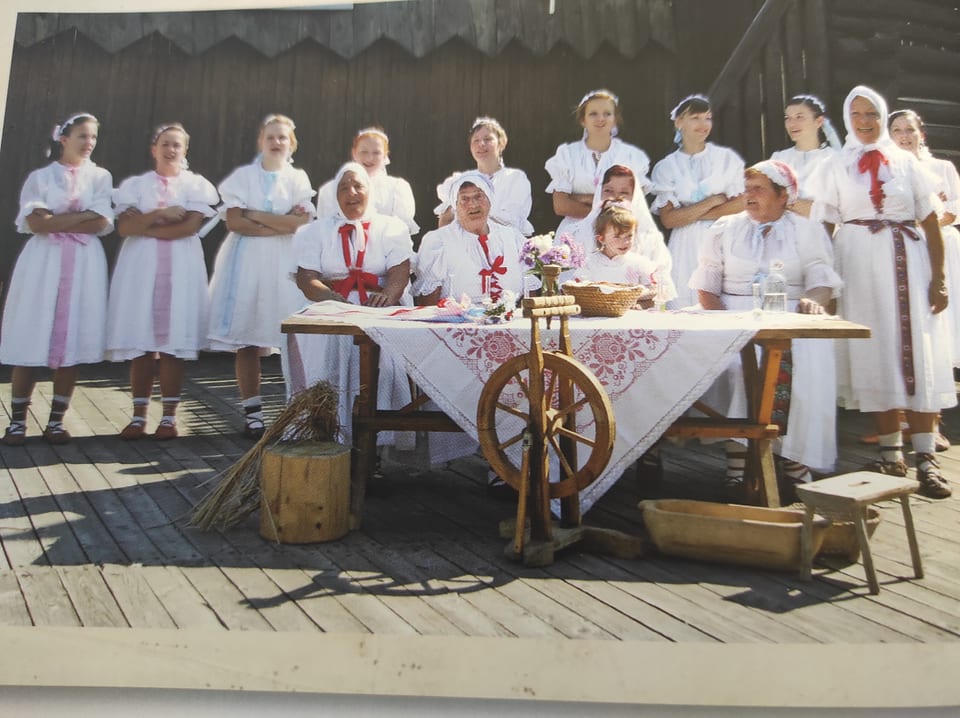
x: 869, y: 371
x: 453, y: 259
x: 681, y: 180
x: 806, y: 164
x: 253, y: 287
x: 948, y: 183
x: 733, y: 257
x: 310, y: 358
x: 57, y: 302
x: 158, y: 292
x: 629, y: 268
x: 576, y: 169
x: 512, y: 198
x: 390, y: 195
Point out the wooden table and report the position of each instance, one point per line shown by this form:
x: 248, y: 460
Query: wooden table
x: 760, y: 378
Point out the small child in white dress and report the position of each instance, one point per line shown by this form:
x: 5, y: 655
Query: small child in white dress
x: 614, y: 259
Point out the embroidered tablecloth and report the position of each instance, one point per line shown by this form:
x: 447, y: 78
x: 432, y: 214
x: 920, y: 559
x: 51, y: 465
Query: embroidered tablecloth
x: 653, y: 365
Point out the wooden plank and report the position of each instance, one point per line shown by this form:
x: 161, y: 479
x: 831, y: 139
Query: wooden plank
x: 180, y: 598
x: 13, y: 605
x: 323, y: 606
x: 21, y: 545
x: 225, y: 599
x: 91, y: 597
x: 47, y: 600
x: 132, y: 592
x: 60, y: 546
x: 263, y: 595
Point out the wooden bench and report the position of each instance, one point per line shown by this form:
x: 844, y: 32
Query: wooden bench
x: 850, y: 495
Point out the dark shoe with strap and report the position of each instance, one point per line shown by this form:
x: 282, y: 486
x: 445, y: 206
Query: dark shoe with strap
x: 933, y: 485
x: 15, y: 435
x: 134, y: 430
x: 890, y: 468
x: 253, y: 429
x: 166, y: 430
x: 499, y: 489
x: 56, y: 434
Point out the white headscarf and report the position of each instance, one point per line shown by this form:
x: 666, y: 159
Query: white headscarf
x: 638, y: 205
x: 363, y: 178
x: 474, y: 177
x: 876, y: 99
x: 782, y: 175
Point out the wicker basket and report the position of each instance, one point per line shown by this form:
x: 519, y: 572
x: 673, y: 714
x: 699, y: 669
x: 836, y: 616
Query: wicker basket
x: 595, y: 302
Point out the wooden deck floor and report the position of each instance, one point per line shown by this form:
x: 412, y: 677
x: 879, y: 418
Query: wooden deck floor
x: 94, y: 534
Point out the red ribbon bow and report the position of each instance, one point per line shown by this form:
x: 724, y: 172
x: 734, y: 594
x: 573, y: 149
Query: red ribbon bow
x: 488, y: 279
x: 871, y: 161
x: 356, y: 277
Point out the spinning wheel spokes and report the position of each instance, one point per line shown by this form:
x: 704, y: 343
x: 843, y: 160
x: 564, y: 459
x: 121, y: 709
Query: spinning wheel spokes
x: 575, y: 405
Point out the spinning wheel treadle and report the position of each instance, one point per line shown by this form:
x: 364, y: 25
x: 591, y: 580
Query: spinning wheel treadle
x: 572, y: 397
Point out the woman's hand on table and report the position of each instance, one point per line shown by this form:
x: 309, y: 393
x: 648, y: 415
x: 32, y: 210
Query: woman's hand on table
x: 376, y: 299
x: 810, y: 306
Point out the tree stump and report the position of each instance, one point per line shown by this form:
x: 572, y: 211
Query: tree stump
x: 305, y: 492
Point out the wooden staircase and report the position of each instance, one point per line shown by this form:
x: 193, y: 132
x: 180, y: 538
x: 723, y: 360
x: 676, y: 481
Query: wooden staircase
x: 908, y: 50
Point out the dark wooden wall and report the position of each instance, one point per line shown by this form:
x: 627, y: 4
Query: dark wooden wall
x: 426, y: 105
x: 907, y: 51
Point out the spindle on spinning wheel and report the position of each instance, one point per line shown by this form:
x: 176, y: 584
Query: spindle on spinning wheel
x: 543, y: 405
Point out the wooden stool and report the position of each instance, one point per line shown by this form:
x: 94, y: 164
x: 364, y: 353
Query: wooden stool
x: 851, y: 494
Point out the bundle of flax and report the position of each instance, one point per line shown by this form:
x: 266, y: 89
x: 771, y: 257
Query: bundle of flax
x: 311, y: 415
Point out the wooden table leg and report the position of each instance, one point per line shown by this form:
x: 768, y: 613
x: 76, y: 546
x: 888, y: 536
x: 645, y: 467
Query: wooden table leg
x: 364, y: 432
x: 760, y: 382
x: 911, y: 536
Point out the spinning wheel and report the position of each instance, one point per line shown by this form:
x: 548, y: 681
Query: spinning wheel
x: 541, y: 406
x: 572, y: 398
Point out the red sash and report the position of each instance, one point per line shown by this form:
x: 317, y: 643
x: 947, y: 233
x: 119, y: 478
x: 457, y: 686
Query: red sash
x: 356, y: 277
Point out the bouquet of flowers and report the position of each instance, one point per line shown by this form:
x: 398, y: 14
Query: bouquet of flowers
x: 544, y: 249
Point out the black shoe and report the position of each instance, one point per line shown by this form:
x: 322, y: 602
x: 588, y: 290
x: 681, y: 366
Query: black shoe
x: 499, y: 489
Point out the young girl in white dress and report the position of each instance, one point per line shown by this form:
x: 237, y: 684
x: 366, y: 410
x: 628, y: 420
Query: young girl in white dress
x: 55, y: 309
x: 614, y: 259
x: 512, y: 198
x: 908, y: 132
x: 253, y: 287
x: 393, y: 195
x: 157, y: 313
x: 576, y: 169
x: 694, y: 185
x: 814, y: 141
x: 619, y: 185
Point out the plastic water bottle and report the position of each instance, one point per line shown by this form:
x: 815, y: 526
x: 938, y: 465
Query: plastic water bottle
x: 775, y: 288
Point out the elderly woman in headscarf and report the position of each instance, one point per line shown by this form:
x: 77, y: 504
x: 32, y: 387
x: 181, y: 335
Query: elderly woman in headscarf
x: 472, y: 255
x: 358, y: 256
x: 738, y: 252
x: 875, y: 195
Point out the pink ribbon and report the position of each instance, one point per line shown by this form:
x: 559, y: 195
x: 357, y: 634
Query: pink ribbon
x: 68, y: 242
x: 163, y: 282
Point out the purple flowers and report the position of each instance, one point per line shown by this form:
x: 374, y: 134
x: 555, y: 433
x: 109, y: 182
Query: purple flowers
x: 544, y: 249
